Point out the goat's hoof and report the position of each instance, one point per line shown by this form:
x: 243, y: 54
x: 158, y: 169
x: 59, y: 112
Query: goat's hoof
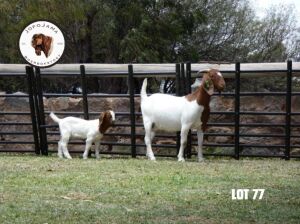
x: 181, y: 160
x: 152, y: 158
x: 200, y: 159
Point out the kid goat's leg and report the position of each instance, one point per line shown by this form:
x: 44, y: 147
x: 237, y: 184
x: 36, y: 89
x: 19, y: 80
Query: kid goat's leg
x: 200, y: 143
x: 60, y: 152
x: 88, y: 144
x: 97, y: 144
x: 63, y: 142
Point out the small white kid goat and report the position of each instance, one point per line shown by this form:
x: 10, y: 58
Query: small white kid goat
x: 172, y: 113
x: 91, y: 130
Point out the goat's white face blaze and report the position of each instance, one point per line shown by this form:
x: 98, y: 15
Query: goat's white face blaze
x: 106, y: 120
x: 113, y: 115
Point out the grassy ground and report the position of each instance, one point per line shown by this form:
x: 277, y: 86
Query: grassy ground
x: 123, y: 190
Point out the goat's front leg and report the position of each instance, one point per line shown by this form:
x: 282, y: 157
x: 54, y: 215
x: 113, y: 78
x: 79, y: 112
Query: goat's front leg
x: 200, y: 143
x: 183, y: 140
x: 97, y: 145
x: 88, y: 144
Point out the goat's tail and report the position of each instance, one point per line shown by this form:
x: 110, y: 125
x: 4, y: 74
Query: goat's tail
x: 143, y: 89
x: 54, y: 117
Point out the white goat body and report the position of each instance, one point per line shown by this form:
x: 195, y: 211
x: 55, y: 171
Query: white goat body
x: 169, y: 113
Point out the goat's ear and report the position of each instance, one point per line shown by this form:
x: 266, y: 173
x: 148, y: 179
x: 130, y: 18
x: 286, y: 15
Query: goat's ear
x: 101, y: 118
x: 209, y: 86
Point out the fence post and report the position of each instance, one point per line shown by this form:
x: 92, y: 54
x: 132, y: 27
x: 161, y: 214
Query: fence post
x: 183, y: 80
x: 84, y: 92
x: 32, y: 104
x: 237, y: 112
x: 41, y: 113
x: 132, y: 110
x: 188, y: 90
x: 288, y: 109
x: 177, y: 94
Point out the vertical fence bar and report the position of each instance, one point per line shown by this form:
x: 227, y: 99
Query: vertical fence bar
x: 84, y: 92
x: 30, y: 77
x: 41, y: 116
x: 288, y: 109
x: 182, y: 80
x: 188, y: 90
x: 237, y: 112
x: 132, y: 110
x: 177, y: 94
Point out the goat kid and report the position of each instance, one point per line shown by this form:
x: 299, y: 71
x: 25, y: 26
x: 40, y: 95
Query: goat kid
x: 91, y: 130
x: 171, y: 113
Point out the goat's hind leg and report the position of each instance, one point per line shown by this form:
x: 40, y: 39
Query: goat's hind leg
x: 64, y: 146
x: 59, y: 150
x: 149, y: 135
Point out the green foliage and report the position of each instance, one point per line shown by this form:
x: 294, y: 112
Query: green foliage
x: 151, y: 31
x: 126, y: 31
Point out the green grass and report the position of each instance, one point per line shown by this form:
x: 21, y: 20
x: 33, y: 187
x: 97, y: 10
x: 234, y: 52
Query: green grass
x: 124, y: 190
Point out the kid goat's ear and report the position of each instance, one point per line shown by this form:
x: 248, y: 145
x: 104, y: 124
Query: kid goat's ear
x: 101, y: 118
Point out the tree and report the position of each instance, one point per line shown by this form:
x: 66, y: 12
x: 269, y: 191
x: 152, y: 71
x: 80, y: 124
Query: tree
x: 275, y: 38
x: 154, y: 31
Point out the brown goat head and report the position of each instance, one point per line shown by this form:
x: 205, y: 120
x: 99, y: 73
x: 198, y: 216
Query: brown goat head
x: 213, y: 79
x: 106, y: 120
x: 41, y: 42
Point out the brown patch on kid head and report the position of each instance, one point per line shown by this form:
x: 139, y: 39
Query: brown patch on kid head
x: 105, y: 121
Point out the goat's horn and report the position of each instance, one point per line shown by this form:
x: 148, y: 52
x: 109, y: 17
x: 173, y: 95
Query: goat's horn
x: 203, y: 71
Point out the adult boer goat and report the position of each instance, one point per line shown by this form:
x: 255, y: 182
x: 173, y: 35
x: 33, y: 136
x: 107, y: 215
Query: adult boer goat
x: 172, y: 113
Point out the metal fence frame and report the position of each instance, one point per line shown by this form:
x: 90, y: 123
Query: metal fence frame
x: 182, y: 74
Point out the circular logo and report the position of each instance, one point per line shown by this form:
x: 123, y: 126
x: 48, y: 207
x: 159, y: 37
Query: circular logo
x: 42, y: 44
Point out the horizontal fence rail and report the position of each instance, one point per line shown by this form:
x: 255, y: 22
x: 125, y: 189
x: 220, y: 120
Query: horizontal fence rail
x: 182, y: 74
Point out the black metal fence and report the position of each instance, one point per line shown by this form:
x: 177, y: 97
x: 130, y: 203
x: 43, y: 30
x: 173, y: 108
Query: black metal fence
x: 182, y: 74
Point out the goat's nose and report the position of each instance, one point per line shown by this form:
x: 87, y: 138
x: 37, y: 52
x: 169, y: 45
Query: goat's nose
x: 221, y: 87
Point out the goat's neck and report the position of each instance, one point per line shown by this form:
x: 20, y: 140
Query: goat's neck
x: 200, y: 95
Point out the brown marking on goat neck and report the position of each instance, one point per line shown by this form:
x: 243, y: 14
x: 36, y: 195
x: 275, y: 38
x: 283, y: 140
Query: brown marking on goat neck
x: 202, y: 98
x: 105, y: 121
x: 201, y: 95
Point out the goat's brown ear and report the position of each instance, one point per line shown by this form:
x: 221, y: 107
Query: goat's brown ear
x: 101, y: 118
